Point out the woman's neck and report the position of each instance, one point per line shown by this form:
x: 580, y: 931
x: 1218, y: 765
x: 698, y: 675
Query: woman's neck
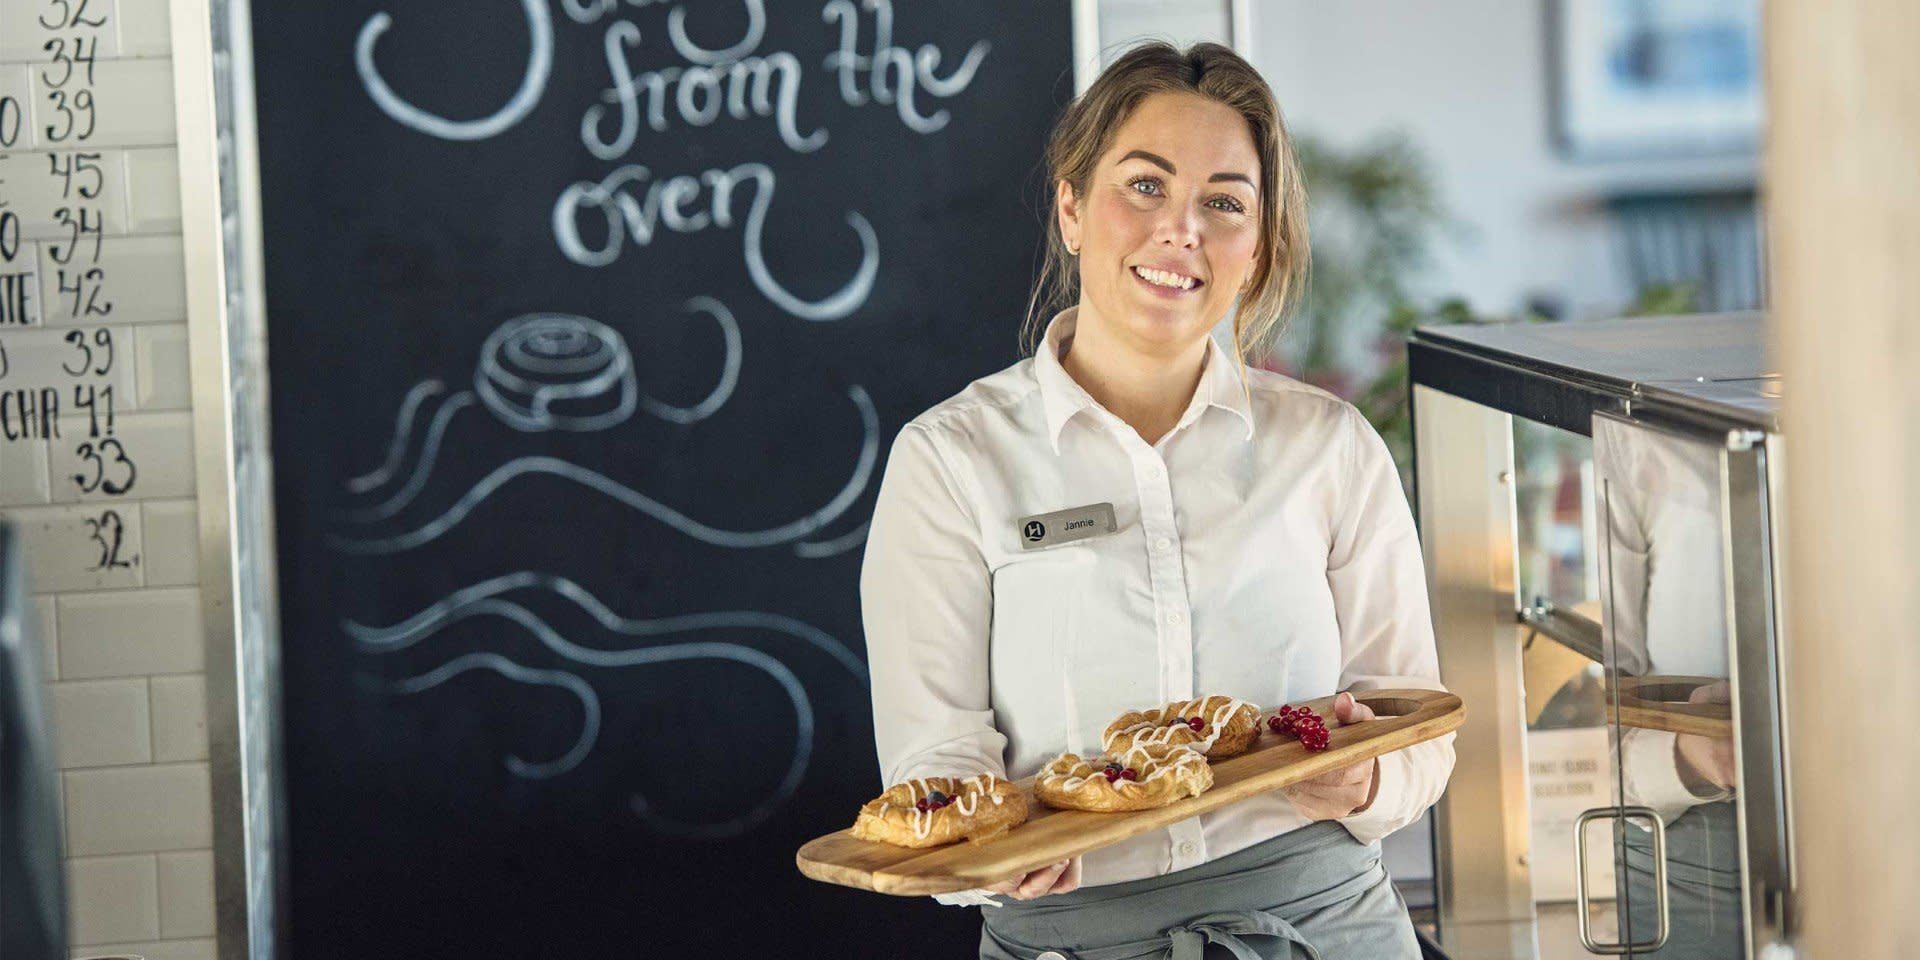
x: 1148, y: 390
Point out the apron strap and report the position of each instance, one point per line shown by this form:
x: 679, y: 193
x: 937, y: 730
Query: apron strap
x: 1188, y: 941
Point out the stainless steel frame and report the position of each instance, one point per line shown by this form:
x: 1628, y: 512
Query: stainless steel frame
x: 1465, y: 494
x: 1567, y: 628
x: 220, y: 226
x: 1766, y: 823
x: 1468, y: 385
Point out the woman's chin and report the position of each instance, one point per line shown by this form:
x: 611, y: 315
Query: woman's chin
x: 1161, y: 322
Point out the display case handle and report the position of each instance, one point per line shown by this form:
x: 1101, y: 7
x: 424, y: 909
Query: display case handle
x: 1659, y: 877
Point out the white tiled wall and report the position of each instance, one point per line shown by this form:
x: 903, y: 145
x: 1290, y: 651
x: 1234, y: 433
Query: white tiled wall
x: 93, y: 308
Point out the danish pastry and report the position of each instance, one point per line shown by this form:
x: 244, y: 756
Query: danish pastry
x: 1142, y: 777
x: 1216, y: 726
x: 930, y: 811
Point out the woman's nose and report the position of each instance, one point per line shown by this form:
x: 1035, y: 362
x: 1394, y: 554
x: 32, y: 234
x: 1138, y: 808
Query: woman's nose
x: 1178, y: 226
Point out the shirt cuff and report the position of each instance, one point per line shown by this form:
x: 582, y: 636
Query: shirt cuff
x: 977, y: 897
x: 1410, y: 780
x: 1382, y: 816
x: 1652, y: 775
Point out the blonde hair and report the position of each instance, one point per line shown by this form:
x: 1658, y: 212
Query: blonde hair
x: 1085, y: 131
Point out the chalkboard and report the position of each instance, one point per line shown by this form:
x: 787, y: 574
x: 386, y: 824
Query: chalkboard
x: 590, y: 324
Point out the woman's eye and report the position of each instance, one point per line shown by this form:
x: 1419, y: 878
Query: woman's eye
x: 1150, y: 187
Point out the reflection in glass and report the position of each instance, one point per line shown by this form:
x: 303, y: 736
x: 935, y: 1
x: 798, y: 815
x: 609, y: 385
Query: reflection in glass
x: 1664, y: 582
x: 1569, y: 768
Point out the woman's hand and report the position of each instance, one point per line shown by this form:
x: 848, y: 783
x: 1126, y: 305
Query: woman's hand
x: 1061, y: 877
x: 1706, y: 762
x: 1343, y: 792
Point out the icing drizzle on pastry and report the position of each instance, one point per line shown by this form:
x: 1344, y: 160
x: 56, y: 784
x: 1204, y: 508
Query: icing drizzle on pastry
x: 1162, y: 730
x: 966, y: 799
x: 1169, y: 763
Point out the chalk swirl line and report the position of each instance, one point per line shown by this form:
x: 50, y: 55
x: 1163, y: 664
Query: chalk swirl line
x: 457, y: 605
x: 734, y: 539
x: 533, y: 82
x: 482, y: 599
x: 402, y: 432
x: 532, y: 770
x: 416, y: 477
x: 821, y: 549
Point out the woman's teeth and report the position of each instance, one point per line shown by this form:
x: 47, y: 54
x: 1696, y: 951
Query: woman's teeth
x: 1165, y: 279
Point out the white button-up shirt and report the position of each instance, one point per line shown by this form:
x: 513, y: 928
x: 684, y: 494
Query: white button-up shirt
x: 1264, y: 551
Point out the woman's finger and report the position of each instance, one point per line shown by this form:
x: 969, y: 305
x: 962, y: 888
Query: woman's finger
x: 1315, y: 806
x: 1040, y: 880
x: 1327, y: 804
x: 1345, y: 776
x: 1355, y: 793
x: 1069, y: 879
x: 1043, y: 882
x: 1347, y: 709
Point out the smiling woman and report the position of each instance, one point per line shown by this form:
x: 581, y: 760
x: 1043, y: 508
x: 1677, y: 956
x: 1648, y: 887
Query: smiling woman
x: 1259, y: 549
x: 1197, y: 130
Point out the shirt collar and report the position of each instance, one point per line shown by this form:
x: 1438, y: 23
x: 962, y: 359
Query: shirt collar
x: 1061, y: 396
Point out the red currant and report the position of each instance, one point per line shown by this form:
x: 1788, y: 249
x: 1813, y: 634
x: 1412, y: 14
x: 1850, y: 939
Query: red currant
x: 1129, y: 774
x: 1196, y: 723
x: 922, y: 805
x: 1112, y: 774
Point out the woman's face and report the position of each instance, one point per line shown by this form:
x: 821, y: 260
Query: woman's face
x: 1169, y: 224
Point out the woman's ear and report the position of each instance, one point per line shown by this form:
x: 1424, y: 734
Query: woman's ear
x: 1067, y: 210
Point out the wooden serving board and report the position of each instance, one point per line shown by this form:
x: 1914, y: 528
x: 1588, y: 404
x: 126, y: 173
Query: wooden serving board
x: 1660, y: 703
x: 1404, y: 718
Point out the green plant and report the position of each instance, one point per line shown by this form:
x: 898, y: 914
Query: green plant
x: 1375, y: 213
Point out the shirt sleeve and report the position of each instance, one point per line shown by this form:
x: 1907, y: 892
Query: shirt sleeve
x: 1379, y: 590
x: 1650, y: 775
x: 926, y: 602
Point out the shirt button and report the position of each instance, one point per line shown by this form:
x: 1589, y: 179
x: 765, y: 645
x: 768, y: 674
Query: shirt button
x: 1173, y: 617
x: 1163, y: 544
x: 1186, y: 848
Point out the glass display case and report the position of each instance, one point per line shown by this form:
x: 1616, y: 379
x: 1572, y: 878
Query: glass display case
x: 1598, y: 507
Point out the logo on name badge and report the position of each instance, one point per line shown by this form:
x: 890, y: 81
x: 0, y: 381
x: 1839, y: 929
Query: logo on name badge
x: 1066, y: 526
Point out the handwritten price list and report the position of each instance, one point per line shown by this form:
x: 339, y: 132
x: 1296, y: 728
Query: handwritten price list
x: 93, y: 363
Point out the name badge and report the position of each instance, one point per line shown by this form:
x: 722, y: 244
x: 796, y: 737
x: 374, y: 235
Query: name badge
x: 1066, y: 526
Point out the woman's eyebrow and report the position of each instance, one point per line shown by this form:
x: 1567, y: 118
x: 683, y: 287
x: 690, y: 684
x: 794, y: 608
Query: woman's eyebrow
x: 1167, y: 165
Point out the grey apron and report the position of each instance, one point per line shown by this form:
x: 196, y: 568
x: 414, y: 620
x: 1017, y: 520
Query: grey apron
x: 1314, y: 892
x: 1705, y: 905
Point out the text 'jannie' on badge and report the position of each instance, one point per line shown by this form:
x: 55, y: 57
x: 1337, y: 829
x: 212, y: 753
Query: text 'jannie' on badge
x: 1066, y: 526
